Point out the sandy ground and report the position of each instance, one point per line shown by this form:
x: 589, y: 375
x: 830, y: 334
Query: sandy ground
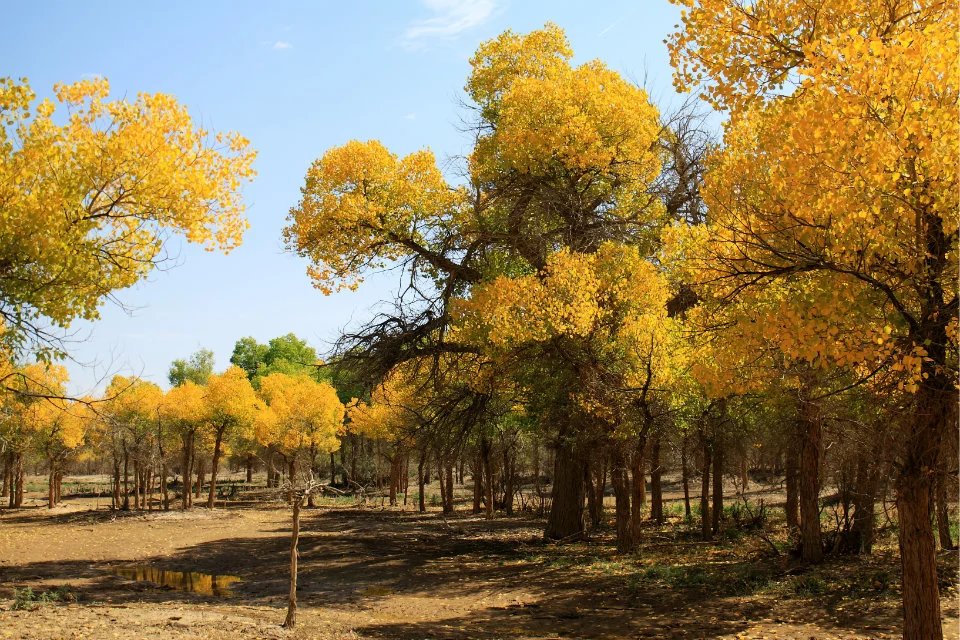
x: 373, y: 573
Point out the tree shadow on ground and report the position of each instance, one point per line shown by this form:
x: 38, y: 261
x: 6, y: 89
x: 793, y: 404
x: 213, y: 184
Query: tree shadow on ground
x: 361, y: 558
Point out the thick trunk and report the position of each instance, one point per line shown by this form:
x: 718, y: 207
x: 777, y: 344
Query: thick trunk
x: 214, y: 467
x: 565, y: 521
x: 656, y: 488
x: 186, y: 472
x: 620, y: 480
x: 921, y: 595
x: 291, y: 620
x: 395, y: 463
x: 811, y: 544
x: 935, y: 404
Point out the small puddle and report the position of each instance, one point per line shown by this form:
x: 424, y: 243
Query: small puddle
x: 191, y: 581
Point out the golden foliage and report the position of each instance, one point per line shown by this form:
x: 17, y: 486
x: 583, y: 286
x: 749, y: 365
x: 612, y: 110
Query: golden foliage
x: 90, y: 188
x: 301, y: 414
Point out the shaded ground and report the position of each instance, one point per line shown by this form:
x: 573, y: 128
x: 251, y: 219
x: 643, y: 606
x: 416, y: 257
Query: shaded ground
x: 371, y: 573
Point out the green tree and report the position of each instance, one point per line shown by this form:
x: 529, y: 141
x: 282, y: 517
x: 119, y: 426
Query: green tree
x: 196, y: 369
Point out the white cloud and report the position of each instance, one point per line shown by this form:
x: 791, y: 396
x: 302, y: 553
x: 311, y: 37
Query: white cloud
x: 410, y: 116
x: 282, y: 44
x: 450, y: 19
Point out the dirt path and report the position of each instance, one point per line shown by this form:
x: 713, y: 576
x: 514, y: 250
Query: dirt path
x: 386, y: 574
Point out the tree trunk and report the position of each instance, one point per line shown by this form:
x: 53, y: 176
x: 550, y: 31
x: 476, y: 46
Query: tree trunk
x: 744, y: 472
x: 291, y: 620
x: 934, y: 416
x: 685, y: 477
x: 488, y: 477
x: 811, y: 544
x: 201, y: 472
x: 51, y: 482
x: 921, y: 596
x: 864, y: 510
x: 448, y: 472
x: 656, y: 488
x: 136, y: 485
x: 943, y: 512
x: 395, y: 463
x: 116, y: 484
x: 638, y: 488
x: 477, y: 482
x: 5, y: 490
x: 565, y: 521
x: 164, y: 490
x: 18, y: 474
x: 149, y: 497
x: 508, y: 480
x: 214, y: 466
x: 126, y: 479
x: 718, y: 455
x: 620, y: 480
x: 421, y: 485
x: 705, y: 528
x: 792, y: 468
x: 186, y: 472
x: 599, y: 486
x: 249, y: 466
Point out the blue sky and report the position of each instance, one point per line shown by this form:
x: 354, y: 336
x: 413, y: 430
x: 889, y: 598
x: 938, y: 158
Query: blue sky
x: 296, y: 78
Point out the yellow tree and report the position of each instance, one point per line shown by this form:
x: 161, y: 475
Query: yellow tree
x: 89, y: 190
x: 391, y: 415
x: 566, y: 156
x: 840, y: 166
x: 28, y: 409
x: 230, y: 406
x: 131, y: 412
x: 307, y: 417
x: 183, y: 409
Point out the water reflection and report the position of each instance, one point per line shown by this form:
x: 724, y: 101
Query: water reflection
x: 192, y: 581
